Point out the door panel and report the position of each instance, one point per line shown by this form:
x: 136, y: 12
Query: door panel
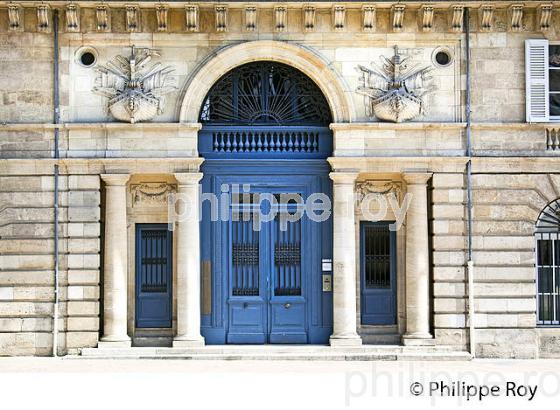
x: 153, y: 276
x: 287, y: 304
x: 378, y: 274
x: 247, y: 302
x: 266, y: 303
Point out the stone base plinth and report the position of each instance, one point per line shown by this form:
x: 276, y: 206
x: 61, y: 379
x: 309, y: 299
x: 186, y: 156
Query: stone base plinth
x: 423, y: 340
x: 106, y: 344
x: 345, y: 341
x: 188, y: 342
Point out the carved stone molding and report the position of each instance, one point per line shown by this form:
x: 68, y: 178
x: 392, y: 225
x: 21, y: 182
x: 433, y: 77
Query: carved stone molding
x: 339, y: 17
x: 515, y: 12
x: 394, y: 91
x: 132, y: 18
x: 162, y: 17
x: 397, y: 17
x: 150, y: 193
x: 544, y: 13
x: 43, y: 18
x: 427, y: 18
x: 456, y: 18
x: 308, y: 18
x: 191, y: 15
x: 280, y: 18
x: 368, y: 18
x: 221, y: 18
x: 486, y: 17
x: 15, y: 17
x: 103, y: 18
x: 135, y: 90
x: 250, y: 18
x: 72, y: 17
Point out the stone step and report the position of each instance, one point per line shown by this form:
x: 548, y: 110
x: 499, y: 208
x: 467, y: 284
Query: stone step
x: 380, y: 338
x: 364, y: 353
x: 152, y: 341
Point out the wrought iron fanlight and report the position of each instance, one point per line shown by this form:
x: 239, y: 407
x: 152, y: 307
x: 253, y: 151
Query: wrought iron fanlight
x: 265, y: 93
x: 549, y: 219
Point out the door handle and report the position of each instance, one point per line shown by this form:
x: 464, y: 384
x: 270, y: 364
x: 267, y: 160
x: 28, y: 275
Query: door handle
x: 287, y: 305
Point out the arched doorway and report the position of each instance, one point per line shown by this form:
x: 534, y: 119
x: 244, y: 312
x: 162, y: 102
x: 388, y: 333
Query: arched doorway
x: 265, y: 140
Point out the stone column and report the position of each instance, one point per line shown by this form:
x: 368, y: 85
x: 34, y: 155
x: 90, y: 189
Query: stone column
x: 115, y: 263
x: 188, y: 261
x: 344, y: 261
x: 417, y: 262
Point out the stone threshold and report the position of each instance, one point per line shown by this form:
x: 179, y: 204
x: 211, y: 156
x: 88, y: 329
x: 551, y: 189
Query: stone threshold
x: 280, y: 352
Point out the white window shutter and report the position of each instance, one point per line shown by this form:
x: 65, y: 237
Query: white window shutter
x: 536, y: 80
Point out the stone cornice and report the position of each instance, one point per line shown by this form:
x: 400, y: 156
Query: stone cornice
x: 366, y: 126
x: 102, y: 125
x: 269, y: 4
x: 94, y: 166
x: 348, y: 126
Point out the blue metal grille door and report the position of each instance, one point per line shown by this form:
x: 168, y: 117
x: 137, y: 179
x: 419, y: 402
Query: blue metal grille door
x: 153, y: 276
x: 378, y: 274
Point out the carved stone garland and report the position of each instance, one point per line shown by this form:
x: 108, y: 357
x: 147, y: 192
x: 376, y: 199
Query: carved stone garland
x: 151, y: 193
x: 378, y: 187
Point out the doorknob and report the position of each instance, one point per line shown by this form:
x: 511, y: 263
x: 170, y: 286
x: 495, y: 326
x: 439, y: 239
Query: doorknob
x: 287, y: 305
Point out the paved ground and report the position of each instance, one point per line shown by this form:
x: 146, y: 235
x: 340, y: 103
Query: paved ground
x: 136, y: 384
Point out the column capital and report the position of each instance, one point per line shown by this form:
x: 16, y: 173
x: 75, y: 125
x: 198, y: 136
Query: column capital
x: 115, y: 179
x: 417, y: 178
x: 344, y: 177
x: 188, y: 178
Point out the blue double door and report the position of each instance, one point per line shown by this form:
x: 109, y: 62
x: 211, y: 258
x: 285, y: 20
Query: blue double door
x: 268, y: 265
x: 264, y: 258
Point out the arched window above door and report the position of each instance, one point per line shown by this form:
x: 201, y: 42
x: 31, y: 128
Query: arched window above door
x: 265, y: 93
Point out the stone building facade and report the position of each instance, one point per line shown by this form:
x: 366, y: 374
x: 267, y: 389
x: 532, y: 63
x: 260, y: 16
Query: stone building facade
x: 102, y: 118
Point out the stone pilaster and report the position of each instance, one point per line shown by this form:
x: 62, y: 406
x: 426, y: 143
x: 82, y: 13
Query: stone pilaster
x: 417, y: 262
x: 115, y: 263
x: 344, y: 258
x: 188, y: 261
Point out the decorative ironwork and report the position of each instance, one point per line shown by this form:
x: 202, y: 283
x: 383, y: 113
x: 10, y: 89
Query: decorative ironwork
x: 136, y: 91
x: 377, y: 255
x: 287, y: 254
x: 287, y: 259
x: 153, y: 266
x: 245, y: 258
x: 394, y: 92
x: 265, y: 93
x: 549, y: 219
x: 245, y: 254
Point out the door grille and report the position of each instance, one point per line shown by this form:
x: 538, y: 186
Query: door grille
x: 287, y: 259
x: 153, y: 264
x: 245, y: 259
x: 377, y: 257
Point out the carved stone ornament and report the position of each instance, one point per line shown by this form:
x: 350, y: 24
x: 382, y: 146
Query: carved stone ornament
x: 151, y: 193
x: 135, y: 90
x: 393, y: 91
x: 250, y: 18
x: 308, y: 18
x: 378, y: 187
x: 15, y: 14
x: 72, y: 17
x: 162, y: 12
